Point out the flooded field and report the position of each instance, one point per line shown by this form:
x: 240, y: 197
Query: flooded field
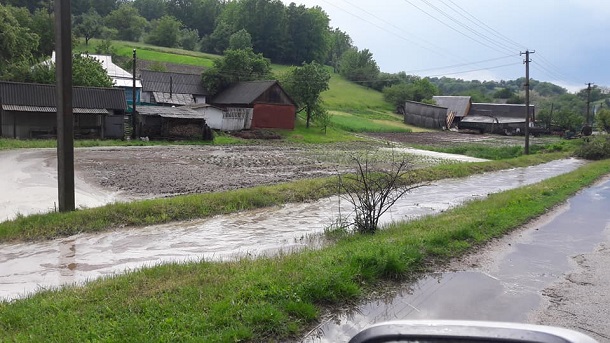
x: 28, y: 267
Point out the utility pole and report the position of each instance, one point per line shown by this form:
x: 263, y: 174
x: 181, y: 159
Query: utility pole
x: 588, y: 103
x: 134, y: 122
x: 527, y: 99
x: 65, y: 117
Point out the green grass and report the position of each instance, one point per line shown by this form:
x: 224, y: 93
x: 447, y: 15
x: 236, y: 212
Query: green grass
x: 156, y: 211
x: 483, y: 150
x: 278, y: 298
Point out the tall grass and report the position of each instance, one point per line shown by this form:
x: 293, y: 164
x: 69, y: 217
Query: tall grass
x: 276, y: 298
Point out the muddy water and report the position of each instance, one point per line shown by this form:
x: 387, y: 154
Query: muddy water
x: 27, y: 267
x: 29, y: 184
x: 507, y: 287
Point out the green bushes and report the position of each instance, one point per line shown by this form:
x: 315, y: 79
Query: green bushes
x: 597, y: 148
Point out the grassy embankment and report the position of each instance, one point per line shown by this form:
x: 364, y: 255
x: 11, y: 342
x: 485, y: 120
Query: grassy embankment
x: 277, y: 298
x: 156, y: 211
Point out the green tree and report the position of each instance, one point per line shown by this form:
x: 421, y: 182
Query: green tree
x: 311, y: 44
x: 339, y: 43
x: 127, y: 22
x: 359, y: 66
x: 86, y: 71
x: 151, y: 9
x: 218, y: 41
x: 165, y: 32
x: 88, y: 25
x: 236, y: 66
x: 17, y: 44
x: 305, y: 84
x: 417, y: 90
x: 240, y: 40
x: 602, y: 119
x: 189, y: 39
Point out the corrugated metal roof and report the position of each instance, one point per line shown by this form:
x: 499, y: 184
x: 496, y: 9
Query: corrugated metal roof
x: 155, y: 81
x: 490, y: 119
x: 40, y: 109
x: 170, y: 112
x: 458, y: 104
x: 120, y: 77
x: 243, y: 92
x: 173, y: 99
x: 501, y: 110
x: 39, y: 95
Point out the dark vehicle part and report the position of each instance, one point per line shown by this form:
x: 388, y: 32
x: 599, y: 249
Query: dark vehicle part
x: 429, y: 331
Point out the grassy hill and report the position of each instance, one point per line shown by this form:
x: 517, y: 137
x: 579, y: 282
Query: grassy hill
x: 354, y: 108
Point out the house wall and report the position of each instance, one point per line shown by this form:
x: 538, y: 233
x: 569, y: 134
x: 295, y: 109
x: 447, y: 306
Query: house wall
x: 267, y: 116
x: 199, y: 99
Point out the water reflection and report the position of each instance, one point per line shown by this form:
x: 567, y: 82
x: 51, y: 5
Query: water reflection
x: 506, y: 289
x: 26, y: 267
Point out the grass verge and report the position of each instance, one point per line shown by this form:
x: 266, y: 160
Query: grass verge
x: 157, y: 211
x: 273, y: 299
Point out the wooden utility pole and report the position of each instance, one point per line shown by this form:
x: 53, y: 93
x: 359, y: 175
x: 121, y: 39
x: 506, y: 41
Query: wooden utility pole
x: 527, y: 99
x: 134, y: 122
x: 589, y: 103
x: 65, y: 117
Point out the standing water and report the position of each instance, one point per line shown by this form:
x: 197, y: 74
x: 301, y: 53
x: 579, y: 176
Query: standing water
x: 28, y: 267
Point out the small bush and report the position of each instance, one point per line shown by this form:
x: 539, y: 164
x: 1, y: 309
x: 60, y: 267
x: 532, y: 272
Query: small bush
x: 597, y: 148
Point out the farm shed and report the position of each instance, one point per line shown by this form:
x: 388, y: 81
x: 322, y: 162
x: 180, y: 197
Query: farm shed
x: 233, y: 119
x: 29, y: 110
x: 457, y: 107
x: 164, y: 88
x: 424, y: 115
x: 496, y: 118
x: 271, y: 106
x: 160, y: 122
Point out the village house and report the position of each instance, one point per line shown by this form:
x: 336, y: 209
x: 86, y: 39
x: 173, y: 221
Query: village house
x: 258, y: 104
x: 172, y: 89
x: 29, y: 110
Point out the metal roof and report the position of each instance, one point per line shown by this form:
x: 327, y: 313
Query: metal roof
x: 491, y: 120
x: 39, y: 95
x: 170, y: 112
x: 458, y: 104
x: 44, y: 109
x: 175, y: 83
x: 243, y: 92
x: 120, y: 77
x: 173, y: 99
x: 501, y: 110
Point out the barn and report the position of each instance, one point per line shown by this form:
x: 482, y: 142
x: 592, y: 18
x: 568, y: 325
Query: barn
x: 29, y: 110
x: 261, y: 105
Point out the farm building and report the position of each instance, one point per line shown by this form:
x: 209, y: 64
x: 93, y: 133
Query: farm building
x: 497, y: 118
x: 162, y: 122
x: 120, y: 77
x: 458, y: 107
x: 29, y: 110
x: 260, y: 104
x: 425, y: 115
x: 172, y: 89
x: 224, y: 120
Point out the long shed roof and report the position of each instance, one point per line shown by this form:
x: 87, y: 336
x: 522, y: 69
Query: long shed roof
x: 175, y: 83
x: 42, y: 95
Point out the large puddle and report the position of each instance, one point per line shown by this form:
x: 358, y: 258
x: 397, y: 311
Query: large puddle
x: 28, y: 267
x: 508, y: 288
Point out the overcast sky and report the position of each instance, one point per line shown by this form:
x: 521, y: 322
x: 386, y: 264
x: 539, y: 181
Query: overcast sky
x: 481, y: 39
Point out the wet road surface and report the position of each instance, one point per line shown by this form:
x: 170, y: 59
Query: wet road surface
x: 508, y: 286
x: 28, y: 267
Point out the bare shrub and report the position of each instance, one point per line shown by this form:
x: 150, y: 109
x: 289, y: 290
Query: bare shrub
x: 372, y: 191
